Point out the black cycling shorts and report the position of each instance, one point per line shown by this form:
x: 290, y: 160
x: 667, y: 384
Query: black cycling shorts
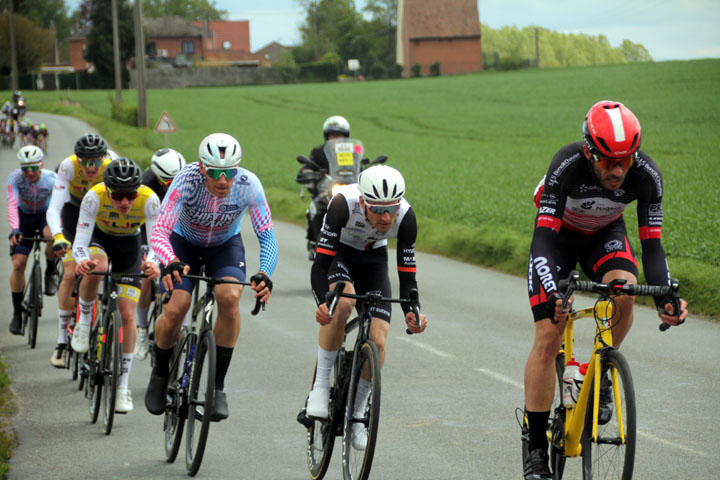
x: 29, y: 224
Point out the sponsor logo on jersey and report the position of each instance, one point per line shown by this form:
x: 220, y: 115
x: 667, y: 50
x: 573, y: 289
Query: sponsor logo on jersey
x: 589, y: 188
x: 613, y: 245
x: 228, y: 207
x: 655, y: 209
x: 544, y: 274
x: 549, y: 211
x: 587, y: 205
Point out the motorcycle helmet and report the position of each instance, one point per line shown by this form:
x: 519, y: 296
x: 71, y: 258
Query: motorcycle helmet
x: 122, y: 175
x: 166, y: 163
x: 220, y: 150
x: 611, y: 130
x: 381, y: 184
x: 336, y: 125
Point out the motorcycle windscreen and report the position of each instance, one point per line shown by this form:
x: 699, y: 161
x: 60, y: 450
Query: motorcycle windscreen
x: 344, y: 157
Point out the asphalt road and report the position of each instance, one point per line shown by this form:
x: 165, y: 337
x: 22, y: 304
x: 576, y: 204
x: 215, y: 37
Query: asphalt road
x: 448, y: 395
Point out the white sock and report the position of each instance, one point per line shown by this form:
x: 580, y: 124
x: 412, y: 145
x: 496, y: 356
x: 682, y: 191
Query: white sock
x: 325, y: 363
x: 141, y: 315
x: 86, y: 309
x: 361, y: 398
x: 64, y: 317
x: 188, y: 315
x: 127, y: 359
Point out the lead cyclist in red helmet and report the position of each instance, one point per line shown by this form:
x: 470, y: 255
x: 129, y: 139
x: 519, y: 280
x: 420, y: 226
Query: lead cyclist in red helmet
x: 580, y: 203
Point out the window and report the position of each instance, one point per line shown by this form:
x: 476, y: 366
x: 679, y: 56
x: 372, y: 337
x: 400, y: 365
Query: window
x: 151, y: 49
x: 226, y: 45
x: 188, y: 46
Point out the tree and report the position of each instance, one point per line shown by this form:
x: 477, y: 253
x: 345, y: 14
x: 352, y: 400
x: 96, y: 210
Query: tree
x: 635, y: 52
x: 383, y: 29
x: 32, y: 43
x: 99, y: 47
x: 45, y: 13
x: 187, y: 9
x: 326, y: 23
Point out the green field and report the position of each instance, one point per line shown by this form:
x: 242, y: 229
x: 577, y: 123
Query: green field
x: 472, y: 148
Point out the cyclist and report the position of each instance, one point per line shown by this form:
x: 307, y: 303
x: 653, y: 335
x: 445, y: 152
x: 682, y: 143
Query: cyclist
x: 165, y: 164
x: 587, y: 187
x: 200, y: 225
x: 29, y: 190
x: 77, y: 174
x: 111, y: 215
x: 352, y: 247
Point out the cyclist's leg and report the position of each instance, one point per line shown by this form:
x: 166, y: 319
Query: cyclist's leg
x: 86, y: 299
x: 17, y: 288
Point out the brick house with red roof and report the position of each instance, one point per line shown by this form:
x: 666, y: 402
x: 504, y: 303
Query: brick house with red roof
x: 446, y: 31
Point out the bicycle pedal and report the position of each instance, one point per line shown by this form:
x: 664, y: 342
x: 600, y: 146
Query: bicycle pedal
x: 304, y: 420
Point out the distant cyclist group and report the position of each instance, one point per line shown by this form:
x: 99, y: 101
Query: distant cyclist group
x: 177, y: 220
x: 15, y: 125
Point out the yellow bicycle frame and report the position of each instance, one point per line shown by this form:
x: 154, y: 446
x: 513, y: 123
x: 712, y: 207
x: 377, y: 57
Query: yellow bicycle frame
x: 575, y: 417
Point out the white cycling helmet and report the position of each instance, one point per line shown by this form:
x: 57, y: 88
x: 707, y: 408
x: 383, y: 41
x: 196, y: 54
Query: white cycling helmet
x: 336, y: 124
x: 166, y: 163
x: 112, y: 155
x: 381, y: 184
x: 220, y: 150
x: 30, y: 155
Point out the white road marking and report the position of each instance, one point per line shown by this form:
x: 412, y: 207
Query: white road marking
x: 426, y: 347
x: 501, y: 377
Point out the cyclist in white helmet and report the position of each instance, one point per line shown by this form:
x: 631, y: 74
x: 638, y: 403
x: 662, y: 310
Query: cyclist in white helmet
x: 352, y: 247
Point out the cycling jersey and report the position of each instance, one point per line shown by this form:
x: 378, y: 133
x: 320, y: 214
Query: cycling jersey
x: 70, y: 186
x: 150, y: 179
x: 345, y: 229
x: 28, y: 198
x: 573, y: 200
x: 96, y: 211
x: 191, y: 211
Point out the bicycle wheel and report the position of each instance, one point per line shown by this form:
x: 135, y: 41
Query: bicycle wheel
x: 321, y: 434
x: 35, y: 305
x: 556, y: 426
x: 608, y: 456
x: 94, y: 380
x: 111, y: 369
x: 175, y: 415
x: 360, y: 432
x: 201, y: 398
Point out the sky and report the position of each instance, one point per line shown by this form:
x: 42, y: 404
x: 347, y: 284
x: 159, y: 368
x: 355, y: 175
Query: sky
x: 669, y: 29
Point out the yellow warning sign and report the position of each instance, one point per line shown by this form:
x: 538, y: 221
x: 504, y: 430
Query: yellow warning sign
x: 165, y: 124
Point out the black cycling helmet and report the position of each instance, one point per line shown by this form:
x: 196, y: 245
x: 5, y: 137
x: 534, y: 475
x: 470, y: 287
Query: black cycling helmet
x: 90, y: 145
x: 122, y: 175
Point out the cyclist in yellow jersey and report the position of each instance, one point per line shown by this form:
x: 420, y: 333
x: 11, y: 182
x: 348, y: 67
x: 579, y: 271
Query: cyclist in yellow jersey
x: 111, y: 215
x: 76, y: 175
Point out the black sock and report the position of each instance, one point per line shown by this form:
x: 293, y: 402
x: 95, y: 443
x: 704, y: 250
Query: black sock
x: 49, y: 267
x: 223, y: 357
x: 17, y: 301
x: 537, y: 425
x: 162, y: 361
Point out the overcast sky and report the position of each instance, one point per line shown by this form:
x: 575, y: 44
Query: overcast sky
x: 669, y: 29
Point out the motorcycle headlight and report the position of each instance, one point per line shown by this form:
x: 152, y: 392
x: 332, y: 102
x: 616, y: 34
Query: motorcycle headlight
x: 336, y: 188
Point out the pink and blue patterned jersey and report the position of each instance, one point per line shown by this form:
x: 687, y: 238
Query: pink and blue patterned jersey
x: 26, y: 197
x: 191, y: 211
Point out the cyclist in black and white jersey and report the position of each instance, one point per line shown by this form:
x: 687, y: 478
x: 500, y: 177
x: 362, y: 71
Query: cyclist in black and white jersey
x: 353, y: 248
x: 580, y: 203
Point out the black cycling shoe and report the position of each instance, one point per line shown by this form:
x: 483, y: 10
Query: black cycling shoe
x: 16, y: 324
x: 536, y: 466
x: 220, y: 409
x: 605, y: 409
x: 156, y: 394
x: 51, y: 283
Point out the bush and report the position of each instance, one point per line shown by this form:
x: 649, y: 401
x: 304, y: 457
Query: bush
x: 124, y: 113
x: 435, y: 69
x: 377, y: 71
x: 416, y: 70
x: 395, y: 71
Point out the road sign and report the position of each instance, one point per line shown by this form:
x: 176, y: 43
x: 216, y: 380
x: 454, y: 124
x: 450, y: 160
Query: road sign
x: 165, y: 124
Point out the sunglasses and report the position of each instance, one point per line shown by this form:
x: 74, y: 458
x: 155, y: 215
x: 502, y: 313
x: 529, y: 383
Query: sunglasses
x: 216, y: 173
x: 118, y: 196
x: 607, y: 163
x: 164, y: 182
x: 381, y: 209
x: 91, y: 162
x: 30, y: 168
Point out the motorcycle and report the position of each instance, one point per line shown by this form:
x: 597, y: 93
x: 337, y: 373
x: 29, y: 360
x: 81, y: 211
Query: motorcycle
x: 345, y: 162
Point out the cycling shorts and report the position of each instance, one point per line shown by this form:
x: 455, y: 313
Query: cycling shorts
x: 126, y: 257
x: 598, y: 253
x: 29, y: 224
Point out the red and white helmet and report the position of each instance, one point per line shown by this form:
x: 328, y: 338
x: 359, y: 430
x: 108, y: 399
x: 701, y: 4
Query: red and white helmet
x: 611, y: 130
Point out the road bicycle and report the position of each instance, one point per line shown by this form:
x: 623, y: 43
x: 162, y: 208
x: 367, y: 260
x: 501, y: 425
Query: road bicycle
x: 32, y: 295
x: 350, y: 366
x: 601, y: 427
x: 191, y: 385
x: 102, y: 363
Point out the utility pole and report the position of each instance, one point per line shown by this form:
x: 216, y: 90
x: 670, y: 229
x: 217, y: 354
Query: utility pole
x: 537, y: 47
x: 140, y: 65
x: 14, y: 84
x: 116, y: 53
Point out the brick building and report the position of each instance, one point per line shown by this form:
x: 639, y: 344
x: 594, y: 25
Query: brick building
x: 446, y: 31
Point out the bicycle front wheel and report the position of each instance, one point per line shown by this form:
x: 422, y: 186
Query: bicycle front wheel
x: 111, y: 365
x: 176, y: 413
x: 556, y: 429
x: 35, y: 305
x: 201, y: 399
x: 361, y: 421
x: 612, y: 454
x: 320, y: 438
x: 94, y: 380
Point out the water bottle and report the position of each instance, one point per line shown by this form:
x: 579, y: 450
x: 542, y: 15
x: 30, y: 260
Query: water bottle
x: 572, y: 368
x: 577, y: 384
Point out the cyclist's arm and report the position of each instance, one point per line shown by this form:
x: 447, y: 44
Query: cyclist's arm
x: 336, y: 218
x: 13, y: 201
x: 59, y: 196
x: 262, y: 224
x: 169, y: 213
x: 152, y: 211
x: 407, y: 268
x: 85, y: 226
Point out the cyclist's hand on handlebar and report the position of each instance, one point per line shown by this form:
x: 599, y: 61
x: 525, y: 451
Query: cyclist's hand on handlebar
x: 61, y: 245
x: 15, y: 237
x: 322, y: 314
x: 560, y: 315
x: 85, y: 267
x: 262, y: 285
x: 173, y: 272
x: 412, y: 322
x: 668, y: 315
x: 150, y: 269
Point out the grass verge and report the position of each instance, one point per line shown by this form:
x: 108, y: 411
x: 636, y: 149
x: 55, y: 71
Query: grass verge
x: 7, y: 409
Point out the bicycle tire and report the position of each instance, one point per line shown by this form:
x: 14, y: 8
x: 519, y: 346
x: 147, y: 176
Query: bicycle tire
x: 320, y: 438
x: 175, y: 415
x: 111, y: 369
x: 35, y: 305
x: 607, y: 458
x: 358, y: 462
x: 93, y: 382
x: 200, y: 403
x: 556, y: 428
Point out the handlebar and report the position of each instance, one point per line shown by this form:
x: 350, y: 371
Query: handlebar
x: 621, y: 287
x: 212, y: 281
x: 115, y: 276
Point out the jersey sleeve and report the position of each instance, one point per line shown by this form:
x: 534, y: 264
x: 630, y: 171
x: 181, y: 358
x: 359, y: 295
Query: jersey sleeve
x: 152, y: 211
x: 336, y: 218
x: 406, y: 264
x: 13, y: 202
x: 169, y: 213
x: 85, y: 226
x: 59, y: 195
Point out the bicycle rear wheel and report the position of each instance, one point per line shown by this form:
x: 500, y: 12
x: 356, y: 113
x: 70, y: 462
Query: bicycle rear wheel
x: 35, y: 304
x: 175, y: 415
x: 201, y: 399
x: 360, y: 429
x: 612, y: 454
x: 111, y: 369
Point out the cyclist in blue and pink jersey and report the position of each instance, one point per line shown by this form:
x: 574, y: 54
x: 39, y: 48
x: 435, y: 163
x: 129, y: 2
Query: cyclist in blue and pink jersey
x: 29, y: 191
x: 199, y: 224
